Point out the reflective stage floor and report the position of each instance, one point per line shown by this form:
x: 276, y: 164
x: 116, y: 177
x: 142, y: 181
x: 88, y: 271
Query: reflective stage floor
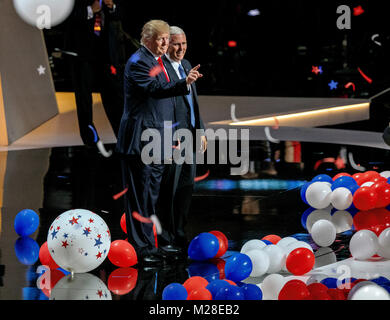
x: 264, y: 201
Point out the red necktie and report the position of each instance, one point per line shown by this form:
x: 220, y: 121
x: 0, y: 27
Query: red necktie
x: 162, y: 67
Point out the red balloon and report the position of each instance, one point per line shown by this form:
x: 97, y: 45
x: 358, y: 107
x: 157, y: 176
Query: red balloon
x: 231, y: 282
x: 220, y: 264
x: 223, y: 243
x: 383, y: 192
x: 358, y: 177
x: 300, y: 261
x: 122, y: 281
x: 122, y: 254
x: 294, y: 290
x: 123, y: 223
x: 365, y: 198
x: 343, y: 174
x: 45, y: 257
x: 200, y: 294
x: 379, y: 179
x: 272, y: 238
x: 336, y: 294
x: 194, y: 283
x: 318, y: 291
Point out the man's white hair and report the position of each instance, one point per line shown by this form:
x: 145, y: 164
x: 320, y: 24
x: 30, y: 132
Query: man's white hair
x: 173, y: 30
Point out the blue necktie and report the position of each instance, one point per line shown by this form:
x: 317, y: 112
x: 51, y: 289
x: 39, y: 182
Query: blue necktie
x: 189, y: 97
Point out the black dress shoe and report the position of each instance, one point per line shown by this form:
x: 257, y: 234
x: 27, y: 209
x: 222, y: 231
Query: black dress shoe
x: 172, y: 250
x: 152, y: 260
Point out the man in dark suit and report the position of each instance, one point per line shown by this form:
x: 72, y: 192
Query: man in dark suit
x: 179, y: 178
x: 149, y: 102
x: 95, y: 45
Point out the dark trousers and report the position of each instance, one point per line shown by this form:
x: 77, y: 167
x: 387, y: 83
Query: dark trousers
x: 143, y: 183
x: 175, y: 202
x: 93, y: 76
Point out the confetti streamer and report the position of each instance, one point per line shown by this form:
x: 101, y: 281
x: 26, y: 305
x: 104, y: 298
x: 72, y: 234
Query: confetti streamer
x: 369, y: 80
x: 120, y: 194
x: 197, y: 179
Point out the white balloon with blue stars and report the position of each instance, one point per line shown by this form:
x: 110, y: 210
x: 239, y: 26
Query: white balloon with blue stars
x: 79, y: 240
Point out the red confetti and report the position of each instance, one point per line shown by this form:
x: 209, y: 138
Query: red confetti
x: 197, y: 179
x: 369, y: 80
x: 350, y: 84
x: 120, y: 194
x: 357, y: 11
x: 155, y: 71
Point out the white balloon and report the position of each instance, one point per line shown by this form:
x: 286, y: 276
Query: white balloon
x: 385, y: 174
x: 323, y: 233
x: 384, y: 244
x: 341, y: 198
x: 342, y: 220
x: 271, y: 286
x: 252, y: 245
x: 284, y: 242
x: 318, y: 195
x: 260, y: 262
x: 79, y: 240
x: 315, y: 216
x: 276, y: 257
x: 83, y: 286
x: 296, y: 245
x: 363, y: 245
x: 368, y: 290
x: 43, y: 13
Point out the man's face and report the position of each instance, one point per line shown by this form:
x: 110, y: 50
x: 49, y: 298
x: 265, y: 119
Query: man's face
x: 177, y: 47
x: 159, y: 44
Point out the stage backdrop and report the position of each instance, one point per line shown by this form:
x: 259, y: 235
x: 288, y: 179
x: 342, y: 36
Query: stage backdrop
x: 27, y: 95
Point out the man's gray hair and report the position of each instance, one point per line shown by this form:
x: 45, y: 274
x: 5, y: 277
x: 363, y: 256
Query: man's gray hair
x: 173, y: 30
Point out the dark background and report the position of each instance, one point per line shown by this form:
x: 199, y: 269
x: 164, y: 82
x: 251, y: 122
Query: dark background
x: 275, y: 50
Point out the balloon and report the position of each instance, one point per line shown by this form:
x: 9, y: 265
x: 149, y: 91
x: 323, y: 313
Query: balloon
x: 200, y: 294
x: 342, y: 174
x: 336, y: 294
x: 303, y: 192
x: 375, y: 220
x: 300, y: 261
x: 220, y: 264
x: 344, y: 182
x: 174, y: 291
x: 252, y: 292
x: 203, y: 247
x: 26, y: 222
x: 322, y: 178
x: 296, y: 245
x: 342, y: 220
x: 260, y: 262
x: 315, y: 216
x: 363, y: 245
x: 368, y: 290
x: 286, y: 241
x: 230, y: 293
x: 383, y: 192
x: 79, y: 240
x: 45, y: 257
x: 26, y: 250
x: 305, y: 216
x: 122, y: 254
x: 329, y: 282
x: 294, y: 290
x: 216, y: 285
x: 276, y: 257
x: 318, y: 195
x: 267, y: 242
x: 318, y: 291
x: 271, y: 286
x: 385, y: 174
x: 252, y: 245
x: 365, y: 199
x: 46, y: 282
x: 123, y: 223
x: 80, y: 286
x: 223, y: 243
x: 341, y: 198
x: 122, y: 281
x: 323, y: 233
x: 238, y: 267
x: 274, y: 239
x: 195, y: 283
x: 384, y: 244
x: 43, y: 13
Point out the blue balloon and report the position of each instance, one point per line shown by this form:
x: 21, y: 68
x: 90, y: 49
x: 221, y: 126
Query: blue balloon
x: 238, y: 268
x: 216, y: 285
x: 203, y: 247
x: 252, y: 292
x: 230, y: 293
x: 27, y: 250
x: 267, y: 242
x: 26, y: 222
x: 303, y: 192
x: 322, y: 178
x: 331, y: 283
x: 305, y: 216
x: 344, y: 182
x: 381, y: 281
x: 174, y: 291
x: 209, y: 271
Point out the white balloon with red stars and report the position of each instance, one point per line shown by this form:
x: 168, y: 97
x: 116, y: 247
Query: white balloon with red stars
x: 79, y: 240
